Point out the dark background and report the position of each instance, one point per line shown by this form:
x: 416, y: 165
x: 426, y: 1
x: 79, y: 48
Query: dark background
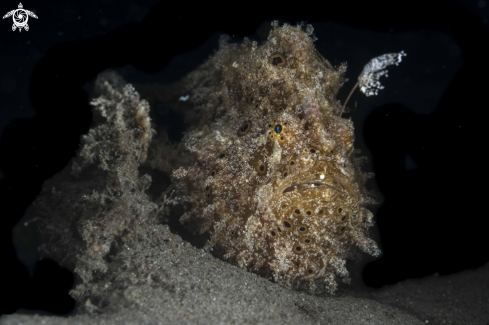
x: 424, y: 133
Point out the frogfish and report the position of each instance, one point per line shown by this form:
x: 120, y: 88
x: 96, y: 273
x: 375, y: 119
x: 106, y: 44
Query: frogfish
x: 274, y: 180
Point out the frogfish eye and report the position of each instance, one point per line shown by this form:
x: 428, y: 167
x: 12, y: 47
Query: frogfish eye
x: 278, y: 128
x: 244, y: 128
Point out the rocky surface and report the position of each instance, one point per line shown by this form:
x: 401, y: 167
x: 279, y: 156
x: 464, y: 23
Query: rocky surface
x: 195, y: 288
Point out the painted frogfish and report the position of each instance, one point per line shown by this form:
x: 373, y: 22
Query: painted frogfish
x: 274, y: 181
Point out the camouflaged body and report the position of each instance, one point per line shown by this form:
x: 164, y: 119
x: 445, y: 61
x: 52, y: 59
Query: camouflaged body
x: 273, y: 181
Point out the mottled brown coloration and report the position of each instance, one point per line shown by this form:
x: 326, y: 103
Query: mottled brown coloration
x: 273, y: 181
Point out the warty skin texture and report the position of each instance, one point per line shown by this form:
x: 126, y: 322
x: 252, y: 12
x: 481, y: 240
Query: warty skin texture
x: 274, y: 180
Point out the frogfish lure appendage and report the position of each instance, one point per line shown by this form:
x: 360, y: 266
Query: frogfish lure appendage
x: 369, y: 78
x: 377, y: 67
